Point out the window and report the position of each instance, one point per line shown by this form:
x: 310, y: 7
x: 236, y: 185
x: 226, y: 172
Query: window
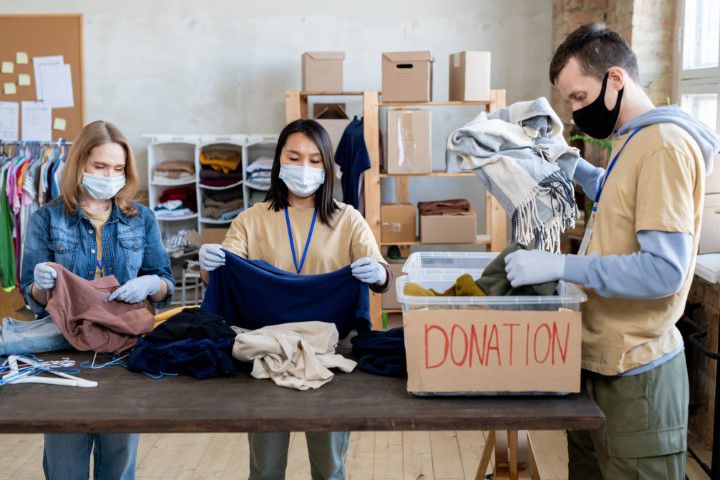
x: 699, y: 73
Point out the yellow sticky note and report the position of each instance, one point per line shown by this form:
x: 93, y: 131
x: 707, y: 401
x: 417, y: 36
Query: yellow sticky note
x: 59, y: 124
x: 21, y: 58
x: 10, y: 88
x: 7, y: 67
x: 23, y: 79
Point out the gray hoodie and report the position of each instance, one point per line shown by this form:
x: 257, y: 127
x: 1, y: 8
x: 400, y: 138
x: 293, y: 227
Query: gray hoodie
x: 708, y: 140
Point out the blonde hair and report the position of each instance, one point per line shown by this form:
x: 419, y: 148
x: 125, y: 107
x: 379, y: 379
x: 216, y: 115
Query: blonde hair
x: 93, y: 135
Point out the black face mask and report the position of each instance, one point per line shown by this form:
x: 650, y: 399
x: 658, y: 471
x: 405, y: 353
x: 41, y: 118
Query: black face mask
x: 595, y: 119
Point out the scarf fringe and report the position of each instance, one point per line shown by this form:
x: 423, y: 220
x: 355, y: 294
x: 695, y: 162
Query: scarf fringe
x: 527, y: 227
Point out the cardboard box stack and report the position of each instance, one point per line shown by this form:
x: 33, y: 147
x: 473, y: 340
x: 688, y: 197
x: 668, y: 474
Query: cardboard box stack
x: 409, y: 146
x: 407, y: 76
x: 322, y: 71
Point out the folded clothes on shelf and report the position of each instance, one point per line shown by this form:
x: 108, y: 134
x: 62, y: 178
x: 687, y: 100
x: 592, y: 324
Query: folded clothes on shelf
x: 223, y: 204
x: 258, y: 173
x: 224, y: 161
x: 458, y: 206
x: 174, y: 170
x: 186, y: 195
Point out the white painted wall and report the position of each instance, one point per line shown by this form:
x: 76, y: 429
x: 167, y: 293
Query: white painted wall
x: 222, y: 66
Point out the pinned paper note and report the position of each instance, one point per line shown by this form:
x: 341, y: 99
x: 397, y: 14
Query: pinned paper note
x: 59, y: 124
x: 9, y: 117
x: 9, y: 88
x: 21, y: 58
x: 23, y: 79
x: 39, y: 62
x: 36, y: 121
x: 7, y: 67
x: 57, y: 91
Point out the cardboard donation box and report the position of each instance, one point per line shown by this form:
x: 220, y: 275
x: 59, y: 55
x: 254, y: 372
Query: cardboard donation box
x: 407, y: 76
x: 322, y: 71
x: 486, y: 345
x: 449, y: 228
x: 409, y: 148
x: 397, y: 223
x: 470, y: 76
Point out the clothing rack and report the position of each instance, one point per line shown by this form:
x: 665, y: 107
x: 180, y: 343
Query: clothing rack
x: 30, y: 177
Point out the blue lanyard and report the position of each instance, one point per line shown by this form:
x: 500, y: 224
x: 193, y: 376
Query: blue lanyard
x: 610, y: 167
x: 292, y: 242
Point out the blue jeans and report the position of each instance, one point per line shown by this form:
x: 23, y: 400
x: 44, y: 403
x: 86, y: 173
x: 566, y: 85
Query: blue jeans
x: 36, y: 336
x: 269, y: 452
x: 67, y: 456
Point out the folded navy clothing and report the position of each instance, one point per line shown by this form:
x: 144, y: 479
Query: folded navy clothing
x: 253, y: 294
x: 200, y: 358
x: 381, y: 352
x: 190, y: 323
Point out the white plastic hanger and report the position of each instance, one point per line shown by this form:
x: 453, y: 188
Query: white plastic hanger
x: 24, y: 376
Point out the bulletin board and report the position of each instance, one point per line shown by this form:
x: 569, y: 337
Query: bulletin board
x: 42, y: 36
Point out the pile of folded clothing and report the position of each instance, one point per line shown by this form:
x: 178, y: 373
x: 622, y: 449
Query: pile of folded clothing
x: 177, y: 245
x: 223, y: 204
x: 458, y: 206
x: 176, y: 202
x: 258, y: 173
x: 220, y: 168
x: 174, y: 171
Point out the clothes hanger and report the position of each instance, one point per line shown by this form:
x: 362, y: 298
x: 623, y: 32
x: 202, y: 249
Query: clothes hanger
x: 21, y: 370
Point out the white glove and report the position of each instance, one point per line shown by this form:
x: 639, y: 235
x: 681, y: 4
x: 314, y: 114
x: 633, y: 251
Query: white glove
x: 211, y: 256
x: 44, y: 276
x: 137, y: 289
x: 369, y: 270
x: 530, y: 267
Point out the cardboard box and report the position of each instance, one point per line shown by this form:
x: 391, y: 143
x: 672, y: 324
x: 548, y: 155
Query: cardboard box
x: 322, y: 71
x: 448, y: 228
x: 710, y: 231
x: 389, y: 299
x: 470, y: 351
x: 209, y: 235
x: 397, y: 223
x: 333, y: 118
x: 407, y: 76
x: 470, y: 76
x: 409, y: 141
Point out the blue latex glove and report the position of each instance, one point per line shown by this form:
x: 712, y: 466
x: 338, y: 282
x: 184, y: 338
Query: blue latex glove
x: 44, y: 276
x: 211, y: 256
x: 369, y: 270
x: 530, y: 267
x: 137, y: 289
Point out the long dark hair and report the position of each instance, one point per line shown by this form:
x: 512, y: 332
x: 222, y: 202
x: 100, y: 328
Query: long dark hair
x: 278, y: 193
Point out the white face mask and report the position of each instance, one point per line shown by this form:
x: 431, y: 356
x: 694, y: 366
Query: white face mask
x: 301, y: 180
x: 102, y: 187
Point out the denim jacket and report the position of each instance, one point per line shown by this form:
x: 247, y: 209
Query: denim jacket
x: 132, y: 246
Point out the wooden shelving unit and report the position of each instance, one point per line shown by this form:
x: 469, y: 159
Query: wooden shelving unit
x: 495, y: 238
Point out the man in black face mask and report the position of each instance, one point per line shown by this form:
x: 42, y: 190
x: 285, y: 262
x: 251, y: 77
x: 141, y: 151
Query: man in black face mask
x: 636, y: 259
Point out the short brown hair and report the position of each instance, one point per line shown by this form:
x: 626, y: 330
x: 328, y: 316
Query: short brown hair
x: 93, y: 135
x: 597, y: 48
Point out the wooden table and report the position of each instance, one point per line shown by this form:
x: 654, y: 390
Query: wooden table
x: 129, y: 402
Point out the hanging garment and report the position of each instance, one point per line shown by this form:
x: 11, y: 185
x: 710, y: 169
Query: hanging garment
x: 8, y: 266
x: 201, y: 359
x: 381, y: 352
x: 18, y: 337
x: 294, y: 355
x: 352, y: 157
x: 88, y: 321
x: 253, y: 294
x: 521, y: 158
x: 190, y: 323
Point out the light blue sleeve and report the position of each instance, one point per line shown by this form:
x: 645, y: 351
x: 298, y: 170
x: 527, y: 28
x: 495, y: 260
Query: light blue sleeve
x: 589, y: 177
x: 658, y: 270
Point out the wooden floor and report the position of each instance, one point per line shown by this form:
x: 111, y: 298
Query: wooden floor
x: 372, y: 455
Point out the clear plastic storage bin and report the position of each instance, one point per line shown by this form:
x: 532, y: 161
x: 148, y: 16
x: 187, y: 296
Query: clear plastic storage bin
x: 439, y: 270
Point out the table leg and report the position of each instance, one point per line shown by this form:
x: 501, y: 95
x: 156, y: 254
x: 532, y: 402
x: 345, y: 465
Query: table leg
x: 486, y: 454
x: 513, y: 453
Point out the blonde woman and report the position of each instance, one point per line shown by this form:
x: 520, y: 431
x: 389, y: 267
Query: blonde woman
x: 94, y: 229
